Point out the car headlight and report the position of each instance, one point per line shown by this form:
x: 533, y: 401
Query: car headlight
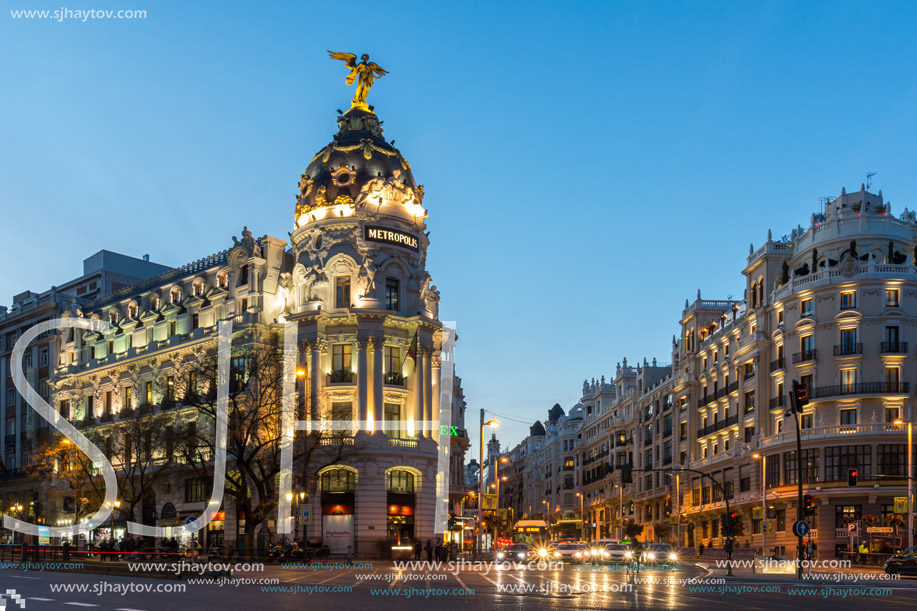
x: 520, y: 555
x: 651, y: 556
x: 557, y: 554
x: 628, y: 555
x: 605, y: 553
x: 499, y: 555
x: 577, y: 554
x: 542, y: 552
x: 672, y: 556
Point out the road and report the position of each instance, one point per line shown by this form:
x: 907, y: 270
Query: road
x: 385, y: 586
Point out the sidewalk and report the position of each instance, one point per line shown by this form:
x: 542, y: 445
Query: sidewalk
x: 834, y: 576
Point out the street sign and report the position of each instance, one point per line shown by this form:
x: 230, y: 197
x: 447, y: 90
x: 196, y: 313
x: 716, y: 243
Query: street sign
x: 305, y: 514
x: 490, y: 502
x: 673, y: 519
x: 853, y: 529
x: 801, y: 528
x: 879, y: 530
x: 757, y: 513
x: 900, y: 504
x: 189, y: 519
x: 767, y: 527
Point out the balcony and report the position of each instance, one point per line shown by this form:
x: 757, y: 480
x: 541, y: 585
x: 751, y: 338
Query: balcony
x: 779, y: 364
x: 835, y: 431
x: 805, y: 355
x: 394, y: 442
x: 862, y: 388
x: 734, y: 386
x: 777, y: 402
x: 894, y: 347
x: 337, y: 440
x: 848, y: 349
x: 394, y: 378
x: 340, y: 376
x: 717, y: 426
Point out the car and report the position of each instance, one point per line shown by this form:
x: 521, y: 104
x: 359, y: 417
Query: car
x: 902, y: 563
x: 571, y: 552
x: 514, y: 553
x: 616, y: 553
x: 658, y: 553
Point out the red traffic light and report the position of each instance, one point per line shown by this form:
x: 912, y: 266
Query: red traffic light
x: 851, y: 477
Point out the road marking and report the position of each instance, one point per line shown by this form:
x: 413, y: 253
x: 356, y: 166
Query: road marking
x: 126, y: 609
x: 47, y: 600
x: 21, y: 577
x: 461, y: 582
x: 81, y: 604
x: 336, y: 576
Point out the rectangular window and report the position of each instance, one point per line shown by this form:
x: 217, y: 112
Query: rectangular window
x: 171, y: 328
x: 848, y: 379
x: 683, y: 431
x: 892, y: 459
x: 892, y: 298
x: 809, y: 467
x: 170, y: 388
x: 892, y: 414
x: 772, y: 475
x: 892, y: 378
x: 342, y: 292
x: 806, y: 344
x: 848, y: 341
x: 195, y: 321
x: 849, y: 416
x: 107, y: 402
x: 749, y: 434
x: 148, y: 392
x: 341, y: 357
x: 342, y: 417
x: 90, y: 413
x: 780, y: 317
x: 126, y: 398
x: 194, y: 491
x: 392, y: 420
x: 750, y: 401
x: 806, y: 421
x: 391, y: 362
x: 840, y: 458
x: 805, y: 307
x: 745, y: 484
x: 65, y: 408
x: 391, y: 294
x: 845, y: 514
x: 848, y: 300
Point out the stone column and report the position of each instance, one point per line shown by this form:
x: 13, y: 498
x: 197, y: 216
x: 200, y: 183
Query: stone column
x: 315, y: 380
x: 378, y: 409
x: 436, y: 363
x: 418, y: 390
x: 428, y: 389
x: 363, y: 381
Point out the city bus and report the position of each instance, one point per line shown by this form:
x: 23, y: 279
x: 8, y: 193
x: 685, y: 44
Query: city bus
x: 534, y: 533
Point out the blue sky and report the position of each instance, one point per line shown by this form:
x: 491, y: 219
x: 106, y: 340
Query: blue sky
x: 587, y: 166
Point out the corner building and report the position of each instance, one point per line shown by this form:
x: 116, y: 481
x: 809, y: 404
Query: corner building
x: 369, y: 336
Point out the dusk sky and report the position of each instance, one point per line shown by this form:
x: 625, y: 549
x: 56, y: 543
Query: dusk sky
x: 587, y: 166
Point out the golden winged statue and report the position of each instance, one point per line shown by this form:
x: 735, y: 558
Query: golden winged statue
x: 364, y: 72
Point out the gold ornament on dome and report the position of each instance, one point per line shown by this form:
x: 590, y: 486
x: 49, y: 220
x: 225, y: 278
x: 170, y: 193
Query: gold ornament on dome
x: 320, y: 198
x: 344, y: 176
x: 364, y: 73
x: 305, y: 186
x: 343, y: 200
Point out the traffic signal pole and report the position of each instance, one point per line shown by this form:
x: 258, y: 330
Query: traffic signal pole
x: 798, y: 399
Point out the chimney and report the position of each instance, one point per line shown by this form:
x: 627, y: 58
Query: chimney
x: 146, y: 258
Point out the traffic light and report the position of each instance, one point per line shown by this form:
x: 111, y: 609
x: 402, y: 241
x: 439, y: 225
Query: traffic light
x: 808, y: 505
x: 451, y: 522
x: 732, y: 522
x: 627, y: 474
x: 800, y: 396
x: 852, y: 477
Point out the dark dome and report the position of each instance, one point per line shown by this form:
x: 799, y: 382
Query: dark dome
x: 537, y: 429
x: 357, y: 154
x: 555, y: 413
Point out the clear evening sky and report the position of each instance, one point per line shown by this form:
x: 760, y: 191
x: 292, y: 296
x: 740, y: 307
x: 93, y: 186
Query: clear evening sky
x: 588, y: 166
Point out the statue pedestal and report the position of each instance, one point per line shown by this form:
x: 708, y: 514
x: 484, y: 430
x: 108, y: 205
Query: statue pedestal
x: 311, y: 306
x: 373, y: 303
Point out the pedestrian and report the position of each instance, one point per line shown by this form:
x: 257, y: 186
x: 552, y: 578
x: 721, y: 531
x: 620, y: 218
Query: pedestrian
x: 429, y: 549
x: 438, y: 549
x: 700, y: 550
x: 418, y: 548
x: 863, y: 550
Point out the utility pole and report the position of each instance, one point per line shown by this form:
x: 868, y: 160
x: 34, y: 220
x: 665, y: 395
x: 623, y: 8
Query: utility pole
x: 799, y: 398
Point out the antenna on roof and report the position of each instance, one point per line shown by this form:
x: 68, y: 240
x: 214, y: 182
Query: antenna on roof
x: 869, y: 176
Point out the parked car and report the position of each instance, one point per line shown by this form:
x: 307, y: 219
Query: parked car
x: 902, y: 563
x: 658, y: 553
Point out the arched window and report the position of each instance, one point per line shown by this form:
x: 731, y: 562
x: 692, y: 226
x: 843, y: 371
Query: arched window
x: 399, y: 480
x: 175, y: 294
x: 197, y: 289
x: 223, y: 280
x: 132, y: 310
x: 113, y: 317
x: 155, y: 302
x: 339, y: 480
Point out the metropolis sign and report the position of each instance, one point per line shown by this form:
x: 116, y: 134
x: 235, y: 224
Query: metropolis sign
x: 391, y: 236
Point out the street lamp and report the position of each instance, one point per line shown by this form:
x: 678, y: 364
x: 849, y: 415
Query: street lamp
x: 481, y: 482
x: 910, y: 476
x: 763, y: 459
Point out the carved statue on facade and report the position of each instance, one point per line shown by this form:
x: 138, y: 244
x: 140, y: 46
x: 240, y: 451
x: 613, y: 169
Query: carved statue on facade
x: 284, y: 287
x: 363, y: 72
x: 366, y: 276
x: 429, y: 295
x: 379, y: 191
x: 248, y: 243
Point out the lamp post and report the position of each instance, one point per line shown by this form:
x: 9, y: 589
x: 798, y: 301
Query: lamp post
x: 582, y: 518
x: 620, y: 488
x: 910, y: 479
x: 763, y: 459
x: 481, y: 483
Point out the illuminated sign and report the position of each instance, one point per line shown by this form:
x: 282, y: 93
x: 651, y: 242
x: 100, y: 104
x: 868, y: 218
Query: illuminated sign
x: 452, y: 431
x: 391, y: 236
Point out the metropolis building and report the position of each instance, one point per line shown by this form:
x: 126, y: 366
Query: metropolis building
x: 832, y: 305
x: 369, y: 359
